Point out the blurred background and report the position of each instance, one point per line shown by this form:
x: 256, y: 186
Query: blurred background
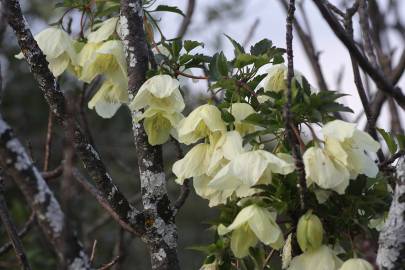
x: 24, y: 108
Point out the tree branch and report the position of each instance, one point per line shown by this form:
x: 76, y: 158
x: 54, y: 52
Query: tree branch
x: 187, y: 19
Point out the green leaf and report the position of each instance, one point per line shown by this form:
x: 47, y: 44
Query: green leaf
x: 244, y: 59
x: 172, y: 9
x: 222, y: 64
x: 261, y: 47
x: 213, y: 68
x: 176, y: 48
x: 238, y: 48
x: 189, y: 45
x: 227, y: 116
x: 401, y: 141
x: 389, y: 140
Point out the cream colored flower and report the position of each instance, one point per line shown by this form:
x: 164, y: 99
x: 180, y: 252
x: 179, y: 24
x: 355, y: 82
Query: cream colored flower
x: 161, y: 92
x: 249, y: 169
x: 309, y: 232
x: 322, y: 258
x: 109, y: 98
x: 106, y: 29
x: 253, y: 223
x: 349, y: 145
x: 195, y: 163
x: 200, y: 123
x: 356, y: 264
x: 240, y: 112
x: 215, y: 197
x: 324, y: 170
x: 159, y: 124
x: 58, y: 48
x: 106, y: 59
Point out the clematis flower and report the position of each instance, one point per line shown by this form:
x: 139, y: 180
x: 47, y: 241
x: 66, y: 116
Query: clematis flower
x: 200, y: 123
x: 104, y: 32
x: 356, y: 264
x: 240, y: 112
x: 322, y: 258
x: 58, y: 48
x: 159, y: 124
x: 324, y: 170
x: 109, y: 98
x: 276, y: 79
x: 253, y: 223
x: 195, y: 163
x: 161, y: 92
x: 309, y: 232
x: 106, y: 58
x: 349, y: 145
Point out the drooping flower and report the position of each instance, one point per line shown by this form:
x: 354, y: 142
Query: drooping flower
x: 309, y: 232
x: 159, y: 124
x: 160, y: 92
x: 322, y: 258
x: 324, y: 170
x: 249, y: 169
x: 195, y: 163
x: 356, y: 264
x: 58, y: 48
x: 240, y: 112
x: 109, y: 98
x: 349, y: 145
x: 200, y: 123
x: 106, y: 59
x: 253, y: 223
x: 104, y: 32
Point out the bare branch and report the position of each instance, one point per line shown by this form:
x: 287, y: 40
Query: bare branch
x: 187, y: 19
x: 12, y: 231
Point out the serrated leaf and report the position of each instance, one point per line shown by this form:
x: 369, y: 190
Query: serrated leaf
x: 261, y: 47
x: 244, y: 59
x: 238, y: 48
x: 227, y: 116
x: 189, y: 45
x: 172, y: 9
x: 222, y: 64
x: 389, y: 140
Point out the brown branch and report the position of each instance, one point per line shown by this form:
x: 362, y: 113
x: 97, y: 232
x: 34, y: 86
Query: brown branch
x: 56, y: 101
x: 12, y: 230
x: 55, y: 173
x: 383, y: 84
x: 48, y: 142
x: 287, y: 108
x: 21, y: 233
x: 110, y: 264
x: 251, y: 32
x: 187, y: 19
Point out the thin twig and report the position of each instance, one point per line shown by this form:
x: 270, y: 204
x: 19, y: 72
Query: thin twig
x: 12, y: 231
x: 251, y: 32
x: 93, y: 251
x: 110, y: 264
x: 48, y: 142
x: 394, y: 157
x: 187, y: 19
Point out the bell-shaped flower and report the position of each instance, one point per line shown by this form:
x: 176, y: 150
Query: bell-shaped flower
x: 200, y: 123
x: 249, y: 169
x: 322, y: 258
x: 109, y: 98
x: 105, y: 31
x: 106, y: 59
x: 240, y: 111
x: 253, y: 223
x: 159, y: 124
x: 215, y: 197
x: 324, y: 170
x: 194, y: 163
x: 356, y: 264
x: 161, y: 92
x: 58, y: 48
x: 309, y: 232
x: 349, y: 145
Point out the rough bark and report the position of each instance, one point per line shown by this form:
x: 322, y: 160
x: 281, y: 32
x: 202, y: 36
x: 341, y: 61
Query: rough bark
x: 16, y: 163
x: 161, y: 232
x: 56, y: 101
x: 391, y: 251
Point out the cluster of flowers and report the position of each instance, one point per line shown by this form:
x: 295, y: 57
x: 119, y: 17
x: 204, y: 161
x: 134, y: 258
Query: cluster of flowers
x: 102, y: 55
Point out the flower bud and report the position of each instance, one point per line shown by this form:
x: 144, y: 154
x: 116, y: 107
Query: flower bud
x: 309, y: 232
x: 356, y: 264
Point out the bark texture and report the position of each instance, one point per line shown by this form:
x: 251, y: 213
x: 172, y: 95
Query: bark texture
x: 391, y: 251
x: 161, y: 232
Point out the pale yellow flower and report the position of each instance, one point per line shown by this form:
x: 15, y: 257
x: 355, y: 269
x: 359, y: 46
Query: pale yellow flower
x: 253, y: 223
x: 349, y: 145
x: 58, y: 48
x: 309, y: 232
x: 356, y: 264
x: 249, y: 169
x: 105, y: 31
x: 324, y: 170
x: 240, y: 112
x: 200, y: 123
x: 322, y: 258
x: 161, y: 92
x: 195, y: 163
x: 109, y: 98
